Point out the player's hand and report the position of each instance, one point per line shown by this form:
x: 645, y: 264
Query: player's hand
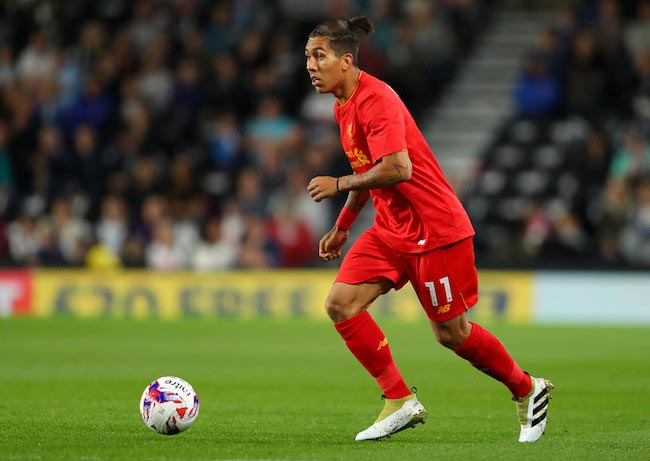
x: 330, y: 245
x: 322, y: 187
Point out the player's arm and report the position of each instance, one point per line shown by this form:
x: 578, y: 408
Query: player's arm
x: 389, y: 170
x: 356, y: 200
x: 332, y: 242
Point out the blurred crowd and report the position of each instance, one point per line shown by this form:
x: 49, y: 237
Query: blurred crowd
x: 181, y: 134
x: 583, y: 121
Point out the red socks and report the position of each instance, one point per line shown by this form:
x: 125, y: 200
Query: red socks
x: 485, y: 352
x: 366, y: 341
x: 482, y: 349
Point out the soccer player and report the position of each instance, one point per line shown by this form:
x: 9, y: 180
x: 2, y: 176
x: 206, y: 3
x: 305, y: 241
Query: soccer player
x: 421, y: 234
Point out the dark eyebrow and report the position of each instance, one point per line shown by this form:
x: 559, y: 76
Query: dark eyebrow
x: 315, y: 49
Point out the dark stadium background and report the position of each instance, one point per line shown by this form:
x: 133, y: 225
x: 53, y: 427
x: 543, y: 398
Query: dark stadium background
x: 181, y: 134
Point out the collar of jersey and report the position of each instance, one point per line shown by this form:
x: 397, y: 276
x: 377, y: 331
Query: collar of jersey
x: 353, y: 91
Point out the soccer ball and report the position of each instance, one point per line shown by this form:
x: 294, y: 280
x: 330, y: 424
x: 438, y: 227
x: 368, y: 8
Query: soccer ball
x: 169, y: 405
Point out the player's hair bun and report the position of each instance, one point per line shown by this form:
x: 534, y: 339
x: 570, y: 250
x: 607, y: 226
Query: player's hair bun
x: 361, y: 24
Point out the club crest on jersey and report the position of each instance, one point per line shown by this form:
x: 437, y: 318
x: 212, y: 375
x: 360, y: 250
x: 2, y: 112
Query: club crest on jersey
x: 350, y: 135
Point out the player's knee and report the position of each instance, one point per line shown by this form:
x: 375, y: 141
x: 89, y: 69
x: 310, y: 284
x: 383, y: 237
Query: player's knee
x: 452, y: 333
x: 334, y: 309
x: 448, y: 340
x: 451, y: 338
x: 338, y: 310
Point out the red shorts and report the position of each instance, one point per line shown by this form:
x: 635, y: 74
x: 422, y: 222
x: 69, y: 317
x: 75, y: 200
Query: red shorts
x: 445, y: 279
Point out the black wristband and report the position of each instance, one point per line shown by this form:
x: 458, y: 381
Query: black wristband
x: 337, y: 186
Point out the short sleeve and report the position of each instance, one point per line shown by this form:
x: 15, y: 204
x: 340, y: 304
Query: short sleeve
x: 382, y: 119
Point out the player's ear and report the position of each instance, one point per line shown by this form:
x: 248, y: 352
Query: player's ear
x: 346, y: 61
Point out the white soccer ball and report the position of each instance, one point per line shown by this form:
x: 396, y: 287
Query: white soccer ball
x: 169, y: 405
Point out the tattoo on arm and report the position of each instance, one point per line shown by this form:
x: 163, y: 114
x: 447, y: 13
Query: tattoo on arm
x: 401, y: 172
x: 384, y: 173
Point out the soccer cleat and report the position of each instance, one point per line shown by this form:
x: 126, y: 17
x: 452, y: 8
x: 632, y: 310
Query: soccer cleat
x: 532, y: 410
x: 397, y: 415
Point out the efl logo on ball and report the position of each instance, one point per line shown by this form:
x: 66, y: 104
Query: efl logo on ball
x: 169, y: 405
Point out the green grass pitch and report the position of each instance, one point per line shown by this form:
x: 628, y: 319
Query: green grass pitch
x: 290, y: 390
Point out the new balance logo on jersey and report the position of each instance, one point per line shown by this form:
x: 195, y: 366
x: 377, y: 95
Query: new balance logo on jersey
x: 444, y: 308
x: 382, y: 343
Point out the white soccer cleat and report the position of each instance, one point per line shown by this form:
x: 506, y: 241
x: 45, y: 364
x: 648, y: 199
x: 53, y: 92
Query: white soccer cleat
x: 532, y: 410
x: 397, y: 415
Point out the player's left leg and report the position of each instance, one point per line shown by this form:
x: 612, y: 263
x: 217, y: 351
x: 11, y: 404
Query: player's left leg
x: 486, y: 353
x: 483, y: 350
x: 446, y: 282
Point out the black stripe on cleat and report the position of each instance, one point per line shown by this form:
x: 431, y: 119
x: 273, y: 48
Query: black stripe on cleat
x: 538, y: 420
x: 543, y: 404
x: 540, y: 395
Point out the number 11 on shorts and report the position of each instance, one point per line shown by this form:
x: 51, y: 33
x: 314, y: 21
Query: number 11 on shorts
x: 432, y: 290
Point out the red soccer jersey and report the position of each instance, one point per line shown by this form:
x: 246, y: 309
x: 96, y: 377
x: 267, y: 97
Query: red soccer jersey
x: 414, y: 216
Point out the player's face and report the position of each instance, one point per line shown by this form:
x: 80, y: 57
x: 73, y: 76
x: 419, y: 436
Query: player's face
x: 324, y: 67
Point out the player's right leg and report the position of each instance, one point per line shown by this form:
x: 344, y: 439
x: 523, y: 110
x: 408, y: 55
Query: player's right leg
x: 397, y: 415
x: 368, y: 270
x: 346, y: 305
